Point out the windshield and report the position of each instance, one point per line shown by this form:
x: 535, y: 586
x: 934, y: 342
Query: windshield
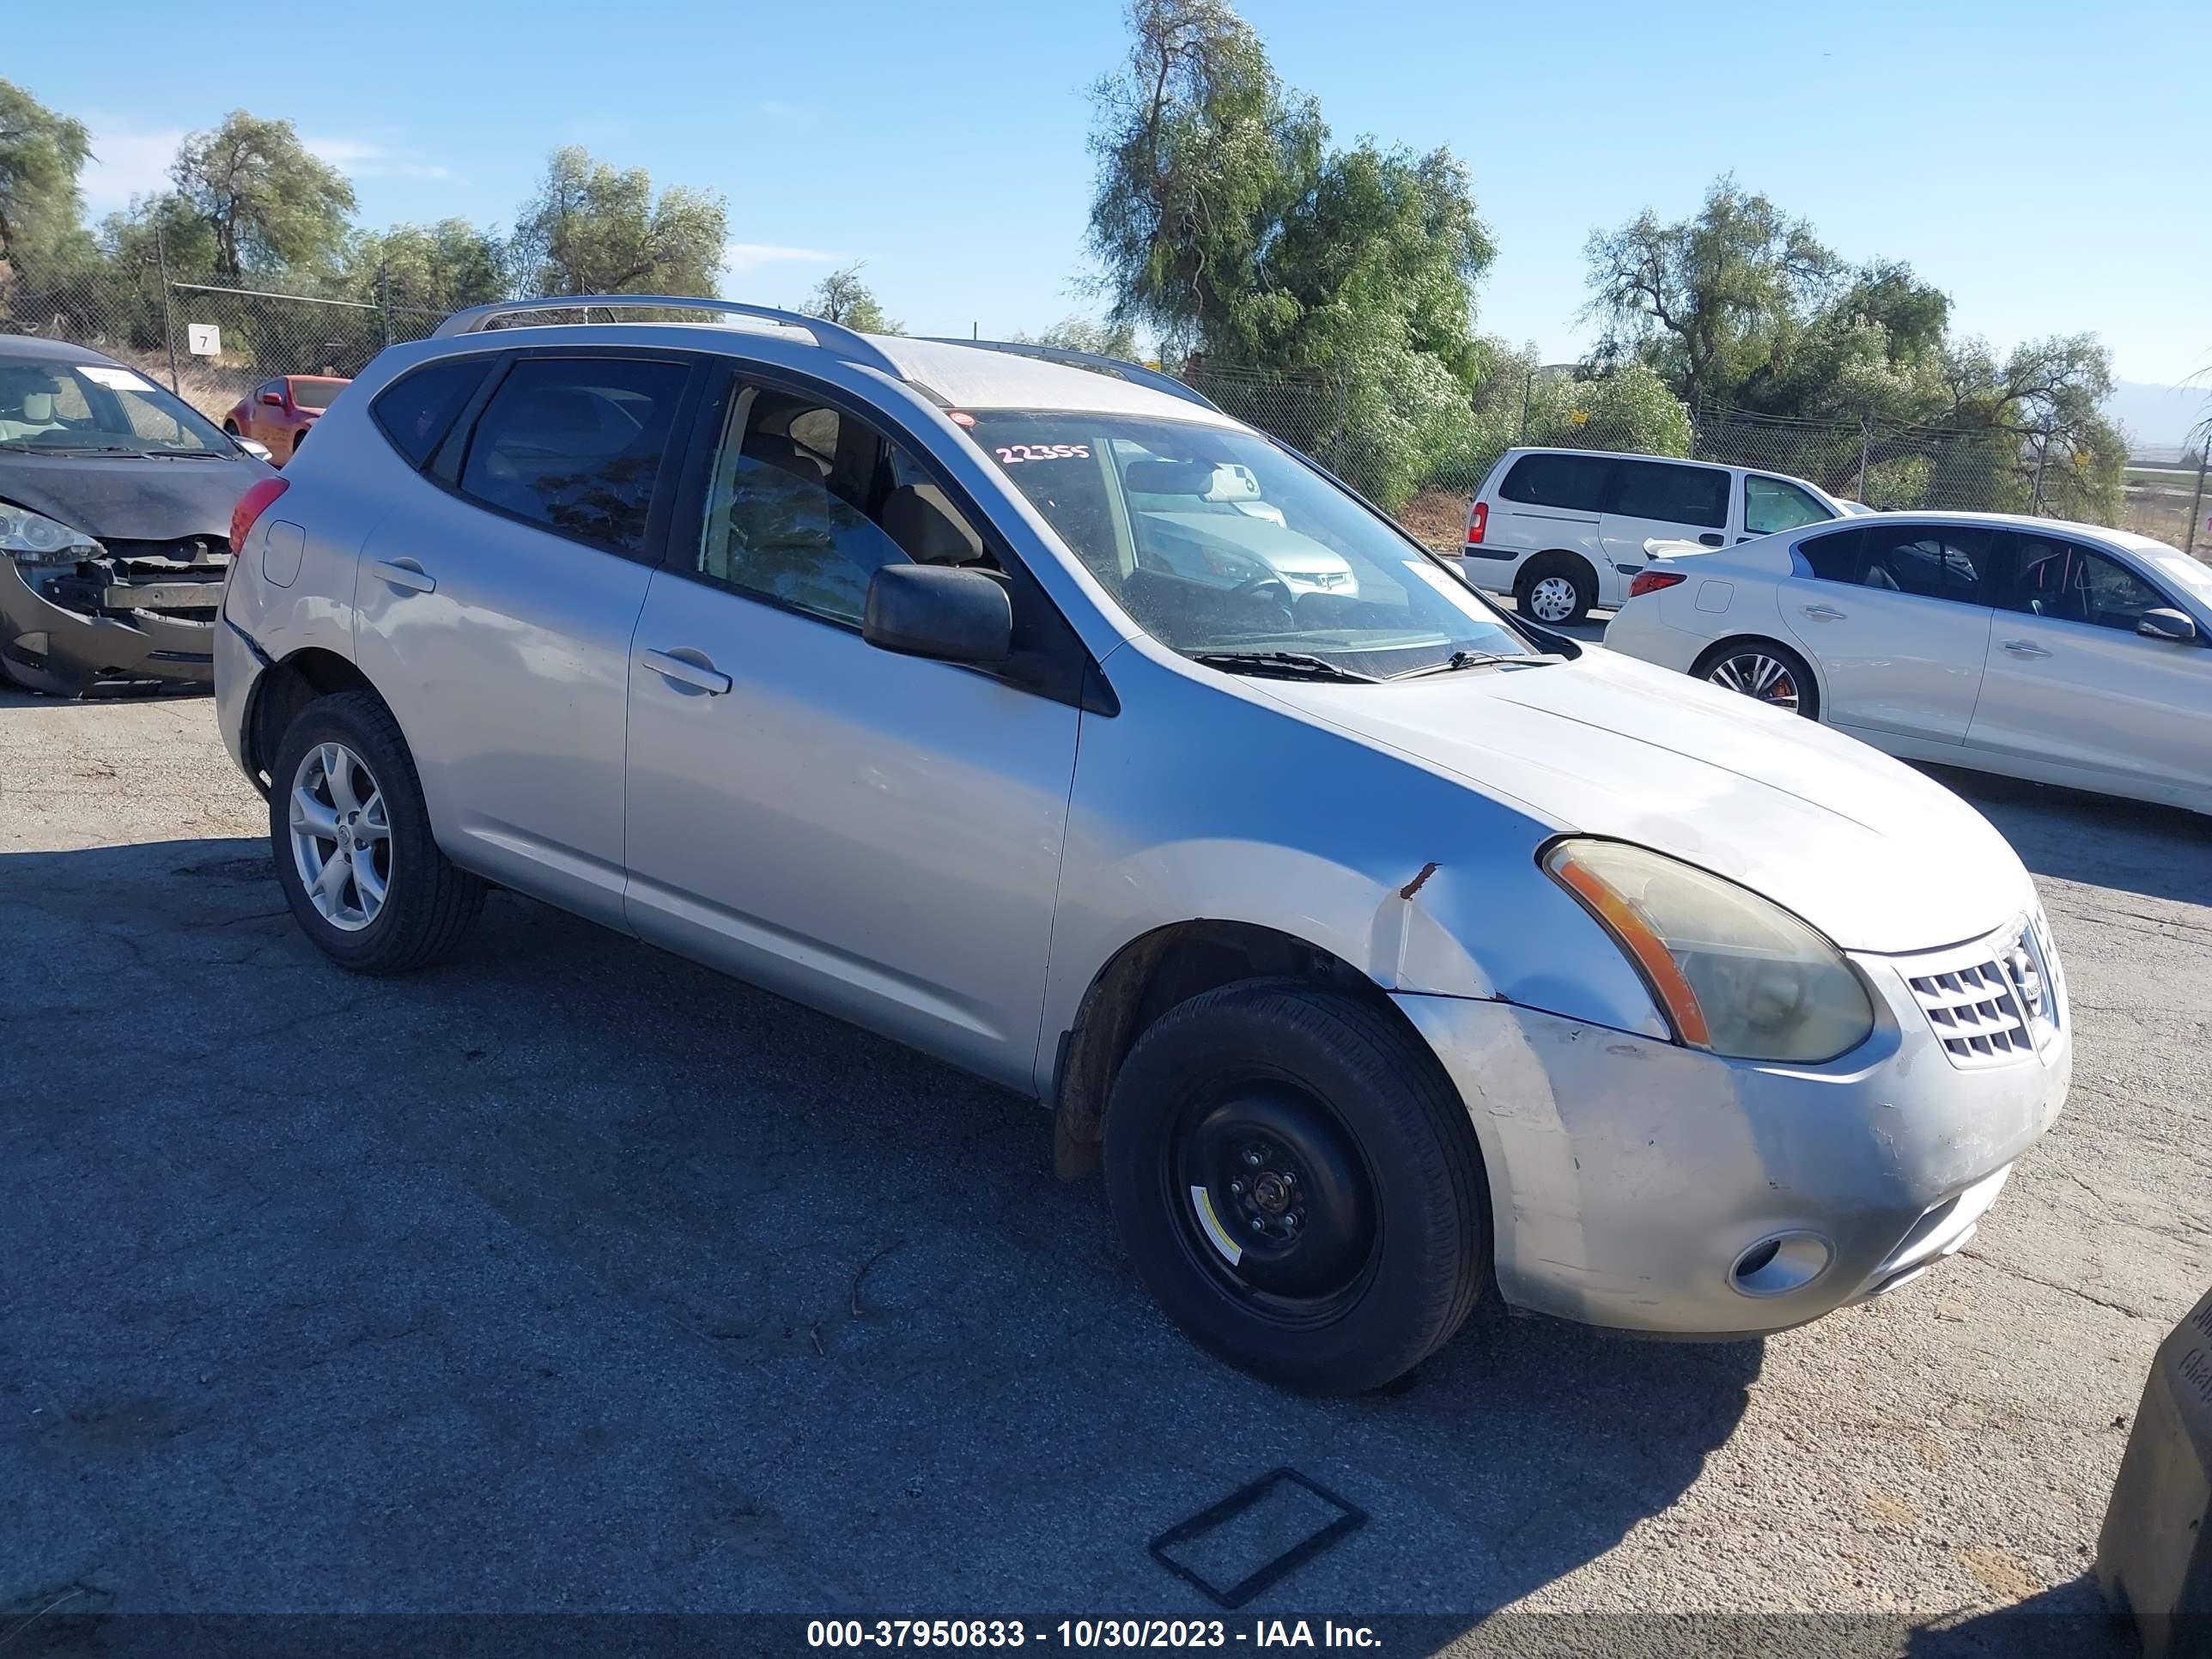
x: 1217, y: 543
x: 315, y: 394
x: 98, y: 408
x: 2187, y: 571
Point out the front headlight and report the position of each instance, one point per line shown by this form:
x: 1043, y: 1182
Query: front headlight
x: 31, y: 537
x: 1734, y: 974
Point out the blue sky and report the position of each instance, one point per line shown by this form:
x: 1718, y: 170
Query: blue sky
x: 2032, y: 159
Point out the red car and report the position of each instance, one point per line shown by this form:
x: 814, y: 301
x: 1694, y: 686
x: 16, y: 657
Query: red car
x: 278, y: 412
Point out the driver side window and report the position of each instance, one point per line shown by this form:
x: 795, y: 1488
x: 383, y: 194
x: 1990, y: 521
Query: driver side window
x: 2072, y: 583
x: 806, y: 503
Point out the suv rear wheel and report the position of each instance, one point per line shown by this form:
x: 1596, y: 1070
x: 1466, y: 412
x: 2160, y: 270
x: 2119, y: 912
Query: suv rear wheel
x: 355, y: 855
x: 1297, y: 1183
x: 1555, y: 589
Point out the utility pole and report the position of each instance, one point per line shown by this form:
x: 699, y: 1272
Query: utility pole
x: 2042, y: 454
x: 1866, y: 433
x: 169, y: 323
x: 2197, y: 503
x: 384, y: 301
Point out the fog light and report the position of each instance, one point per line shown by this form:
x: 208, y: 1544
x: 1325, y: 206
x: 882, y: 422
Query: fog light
x: 1779, y: 1265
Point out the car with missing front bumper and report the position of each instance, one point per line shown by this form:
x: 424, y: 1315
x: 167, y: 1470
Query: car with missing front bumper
x: 115, y: 506
x: 1383, y: 946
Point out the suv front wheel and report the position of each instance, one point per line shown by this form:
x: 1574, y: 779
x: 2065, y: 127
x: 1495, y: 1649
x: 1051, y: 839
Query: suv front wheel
x: 1297, y: 1183
x: 355, y: 855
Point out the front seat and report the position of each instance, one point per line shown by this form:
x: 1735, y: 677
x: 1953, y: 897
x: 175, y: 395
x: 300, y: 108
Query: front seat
x: 920, y: 518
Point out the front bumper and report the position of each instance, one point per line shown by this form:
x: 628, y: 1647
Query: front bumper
x: 110, y: 624
x: 1630, y: 1177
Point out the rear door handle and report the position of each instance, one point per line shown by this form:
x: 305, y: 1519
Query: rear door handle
x: 1823, y: 613
x: 708, y: 679
x: 405, y: 573
x: 2025, y: 648
x: 1711, y: 538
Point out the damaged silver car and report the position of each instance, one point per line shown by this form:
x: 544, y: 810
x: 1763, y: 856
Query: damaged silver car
x: 115, y: 508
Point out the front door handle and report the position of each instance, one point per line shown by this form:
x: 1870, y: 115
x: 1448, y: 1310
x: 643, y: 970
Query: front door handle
x: 1823, y: 613
x: 405, y: 573
x: 2025, y: 648
x: 700, y: 676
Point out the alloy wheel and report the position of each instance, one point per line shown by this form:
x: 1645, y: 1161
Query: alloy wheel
x: 341, y: 837
x: 1757, y: 675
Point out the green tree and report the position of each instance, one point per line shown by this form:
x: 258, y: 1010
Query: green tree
x: 1709, y: 301
x: 1078, y: 333
x: 1201, y: 155
x: 441, y: 267
x: 591, y: 229
x: 41, y: 153
x: 842, y: 297
x: 1343, y: 278
x: 269, y: 205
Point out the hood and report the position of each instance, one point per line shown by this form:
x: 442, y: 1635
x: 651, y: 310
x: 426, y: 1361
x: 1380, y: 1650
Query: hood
x: 130, y: 499
x: 1874, y: 854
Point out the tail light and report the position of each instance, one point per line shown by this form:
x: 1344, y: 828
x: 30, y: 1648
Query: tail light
x: 251, y: 506
x: 1650, y: 581
x: 1478, y: 521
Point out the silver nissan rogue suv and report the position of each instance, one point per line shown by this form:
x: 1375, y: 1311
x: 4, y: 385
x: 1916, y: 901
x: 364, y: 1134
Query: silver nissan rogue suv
x: 1031, y: 711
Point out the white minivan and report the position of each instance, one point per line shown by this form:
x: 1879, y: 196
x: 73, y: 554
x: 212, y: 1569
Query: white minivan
x: 1563, y: 530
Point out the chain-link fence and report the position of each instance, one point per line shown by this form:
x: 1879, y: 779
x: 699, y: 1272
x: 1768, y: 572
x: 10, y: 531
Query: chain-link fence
x: 211, y: 345
x: 1424, y: 459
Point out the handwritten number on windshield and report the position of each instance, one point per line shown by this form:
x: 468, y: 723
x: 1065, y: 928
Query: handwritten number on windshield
x: 1010, y: 454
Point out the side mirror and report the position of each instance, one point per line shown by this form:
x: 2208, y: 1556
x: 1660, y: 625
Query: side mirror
x: 2166, y: 625
x: 272, y: 399
x: 941, y: 612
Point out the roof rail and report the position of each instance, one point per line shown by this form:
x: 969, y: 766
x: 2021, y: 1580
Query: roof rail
x: 1136, y: 374
x: 846, y: 343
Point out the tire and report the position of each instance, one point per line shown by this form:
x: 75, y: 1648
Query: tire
x: 231, y: 427
x: 416, y: 905
x: 1375, y: 1166
x: 1749, y: 664
x: 299, y: 438
x: 1540, y: 588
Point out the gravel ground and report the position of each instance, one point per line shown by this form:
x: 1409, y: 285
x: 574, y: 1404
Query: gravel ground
x: 569, y: 1276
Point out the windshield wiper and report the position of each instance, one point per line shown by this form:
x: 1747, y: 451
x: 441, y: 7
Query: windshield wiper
x: 1460, y: 660
x: 92, y: 449
x: 1292, y: 665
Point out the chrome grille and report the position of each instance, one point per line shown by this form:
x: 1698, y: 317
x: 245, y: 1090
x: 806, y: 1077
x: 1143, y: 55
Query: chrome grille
x: 1995, y: 1002
x: 1975, y: 1013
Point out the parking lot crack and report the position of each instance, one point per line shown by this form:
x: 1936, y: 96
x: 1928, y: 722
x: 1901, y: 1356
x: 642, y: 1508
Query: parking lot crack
x: 2006, y: 1268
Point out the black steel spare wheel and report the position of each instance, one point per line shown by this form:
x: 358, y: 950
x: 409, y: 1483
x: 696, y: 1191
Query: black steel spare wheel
x: 1298, y: 1184
x: 1275, y: 1199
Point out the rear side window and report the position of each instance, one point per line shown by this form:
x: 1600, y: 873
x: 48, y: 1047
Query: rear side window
x: 1932, y: 561
x: 576, y: 444
x: 1575, y: 483
x: 415, y: 410
x: 1834, y: 558
x: 1675, y: 494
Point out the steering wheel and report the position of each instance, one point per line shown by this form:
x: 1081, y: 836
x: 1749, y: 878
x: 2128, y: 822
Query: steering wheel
x: 1275, y: 588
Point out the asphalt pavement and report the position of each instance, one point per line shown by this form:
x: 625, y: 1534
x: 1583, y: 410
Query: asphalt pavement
x: 570, y: 1276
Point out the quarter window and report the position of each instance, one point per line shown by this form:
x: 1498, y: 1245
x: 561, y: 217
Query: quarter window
x: 1771, y: 505
x: 415, y: 410
x: 2068, y: 582
x: 806, y: 504
x: 1674, y: 494
x: 576, y: 445
x: 1575, y: 483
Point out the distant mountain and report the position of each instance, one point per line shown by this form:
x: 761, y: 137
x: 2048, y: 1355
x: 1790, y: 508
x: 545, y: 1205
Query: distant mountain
x: 2158, y: 417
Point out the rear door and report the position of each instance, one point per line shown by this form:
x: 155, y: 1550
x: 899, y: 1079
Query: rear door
x: 1546, y: 501
x: 2070, y: 682
x: 1669, y: 501
x: 496, y: 603
x: 1897, y: 617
